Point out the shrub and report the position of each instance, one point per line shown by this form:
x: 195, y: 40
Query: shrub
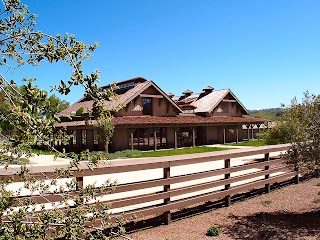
x: 124, y: 154
x: 213, y: 231
x: 79, y: 111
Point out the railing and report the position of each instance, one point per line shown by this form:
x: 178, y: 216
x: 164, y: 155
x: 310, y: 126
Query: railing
x: 152, y: 186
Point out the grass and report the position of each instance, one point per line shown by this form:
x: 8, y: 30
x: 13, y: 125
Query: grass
x: 20, y: 161
x: 173, y: 152
x: 250, y: 143
x: 38, y: 151
x: 160, y: 153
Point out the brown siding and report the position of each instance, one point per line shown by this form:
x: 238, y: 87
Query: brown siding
x: 159, y: 108
x: 227, y: 109
x: 211, y: 135
x: 133, y: 108
x: 170, y: 136
x: 120, y: 139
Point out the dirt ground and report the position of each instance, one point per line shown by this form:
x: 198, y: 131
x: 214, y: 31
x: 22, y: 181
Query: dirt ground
x: 292, y: 212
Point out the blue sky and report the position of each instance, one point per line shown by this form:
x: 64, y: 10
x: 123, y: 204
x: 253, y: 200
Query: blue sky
x: 266, y: 52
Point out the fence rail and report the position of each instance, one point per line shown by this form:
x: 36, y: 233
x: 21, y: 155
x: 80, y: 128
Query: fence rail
x: 149, y: 186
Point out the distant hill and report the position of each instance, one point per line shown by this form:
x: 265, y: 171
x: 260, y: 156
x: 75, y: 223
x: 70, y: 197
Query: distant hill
x: 268, y: 113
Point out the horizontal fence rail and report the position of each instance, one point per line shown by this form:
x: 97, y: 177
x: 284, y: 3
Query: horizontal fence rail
x: 153, y: 186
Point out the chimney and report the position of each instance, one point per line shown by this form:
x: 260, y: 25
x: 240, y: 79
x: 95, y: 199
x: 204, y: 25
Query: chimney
x: 170, y: 95
x: 208, y: 89
x: 187, y: 93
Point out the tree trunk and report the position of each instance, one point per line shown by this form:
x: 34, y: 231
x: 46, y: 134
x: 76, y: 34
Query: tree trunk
x: 106, y: 147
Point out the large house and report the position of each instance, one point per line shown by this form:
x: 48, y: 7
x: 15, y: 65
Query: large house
x: 151, y: 119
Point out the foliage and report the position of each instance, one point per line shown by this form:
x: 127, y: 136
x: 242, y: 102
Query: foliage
x: 300, y: 126
x: 104, y: 116
x: 271, y: 114
x: 124, y: 154
x: 79, y: 111
x: 282, y: 132
x: 44, y: 107
x: 213, y: 231
x: 31, y: 113
x: 56, y: 105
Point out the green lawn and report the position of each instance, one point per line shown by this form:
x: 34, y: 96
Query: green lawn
x: 180, y: 151
x: 37, y: 151
x: 251, y: 143
x: 140, y: 154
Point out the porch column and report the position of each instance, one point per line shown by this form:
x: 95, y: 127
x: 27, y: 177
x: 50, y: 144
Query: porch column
x: 237, y: 135
x: 131, y: 131
x: 160, y: 132
x: 89, y: 137
x: 252, y: 134
x: 224, y: 136
x: 258, y: 125
x: 175, y: 138
x: 193, y: 136
x: 155, y: 138
x: 248, y: 131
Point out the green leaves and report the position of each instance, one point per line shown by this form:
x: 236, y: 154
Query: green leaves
x: 300, y: 125
x: 31, y: 115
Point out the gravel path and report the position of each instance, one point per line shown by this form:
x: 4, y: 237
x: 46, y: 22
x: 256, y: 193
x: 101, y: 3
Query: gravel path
x: 292, y: 212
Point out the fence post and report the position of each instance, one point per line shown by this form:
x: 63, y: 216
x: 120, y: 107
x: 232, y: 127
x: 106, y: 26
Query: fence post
x: 79, y: 181
x: 266, y: 168
x: 166, y: 188
x: 227, y: 186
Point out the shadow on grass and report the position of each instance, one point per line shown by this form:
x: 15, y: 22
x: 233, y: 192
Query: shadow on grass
x: 277, y: 225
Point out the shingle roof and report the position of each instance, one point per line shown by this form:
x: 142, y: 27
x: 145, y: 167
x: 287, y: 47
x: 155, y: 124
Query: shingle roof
x: 124, y: 99
x: 208, y: 102
x: 154, y: 120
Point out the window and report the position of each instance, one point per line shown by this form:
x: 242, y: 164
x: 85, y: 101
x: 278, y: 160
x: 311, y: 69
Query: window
x: 147, y: 106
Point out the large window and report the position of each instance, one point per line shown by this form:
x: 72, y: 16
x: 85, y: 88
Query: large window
x: 147, y: 106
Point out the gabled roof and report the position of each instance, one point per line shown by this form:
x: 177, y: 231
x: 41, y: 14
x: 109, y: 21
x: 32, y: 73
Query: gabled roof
x: 123, y: 99
x: 208, y: 102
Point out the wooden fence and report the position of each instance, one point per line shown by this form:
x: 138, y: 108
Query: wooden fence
x: 153, y: 186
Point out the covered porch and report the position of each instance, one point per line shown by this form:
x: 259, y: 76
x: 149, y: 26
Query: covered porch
x: 153, y: 133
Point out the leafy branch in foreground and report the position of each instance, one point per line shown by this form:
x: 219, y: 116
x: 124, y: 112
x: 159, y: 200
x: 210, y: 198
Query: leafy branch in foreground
x: 25, y: 111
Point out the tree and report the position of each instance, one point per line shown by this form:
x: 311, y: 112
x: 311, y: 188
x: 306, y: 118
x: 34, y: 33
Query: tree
x: 21, y: 43
x: 50, y: 105
x: 56, y: 105
x: 300, y: 126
